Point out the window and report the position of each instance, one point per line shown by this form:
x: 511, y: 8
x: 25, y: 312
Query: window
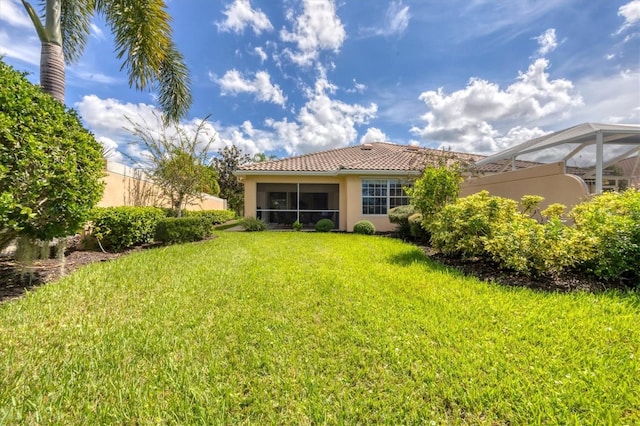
x: 380, y: 195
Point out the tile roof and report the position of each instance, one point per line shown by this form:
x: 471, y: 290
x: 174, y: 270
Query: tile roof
x: 376, y: 156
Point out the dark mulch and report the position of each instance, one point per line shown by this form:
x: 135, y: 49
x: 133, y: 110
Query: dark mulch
x: 565, y: 282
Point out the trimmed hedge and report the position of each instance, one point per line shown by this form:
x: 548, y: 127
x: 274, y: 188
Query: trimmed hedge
x: 175, y: 230
x: 118, y: 228
x: 214, y: 217
x: 364, y: 227
x: 324, y: 225
x: 400, y: 216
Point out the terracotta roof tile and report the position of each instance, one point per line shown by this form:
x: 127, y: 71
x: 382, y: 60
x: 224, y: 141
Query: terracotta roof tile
x: 377, y: 156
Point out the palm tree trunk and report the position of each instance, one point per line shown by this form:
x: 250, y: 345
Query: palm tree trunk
x: 52, y: 70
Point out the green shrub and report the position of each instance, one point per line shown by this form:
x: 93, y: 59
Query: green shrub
x: 364, y: 227
x: 437, y: 187
x: 613, y: 219
x: 214, y: 217
x: 51, y: 167
x: 251, y: 224
x: 529, y: 247
x: 461, y: 228
x: 400, y: 216
x: 118, y: 228
x: 324, y: 225
x: 416, y: 228
x: 175, y: 230
x: 297, y: 226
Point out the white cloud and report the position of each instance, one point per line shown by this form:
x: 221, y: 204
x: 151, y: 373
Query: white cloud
x: 357, y: 87
x: 547, y: 42
x: 240, y: 15
x: 631, y: 14
x: 373, y: 135
x: 317, y: 28
x: 25, y: 49
x: 322, y: 123
x: 464, y: 117
x: 395, y: 22
x: 259, y: 51
x: 13, y: 13
x: 234, y: 83
x: 97, y: 32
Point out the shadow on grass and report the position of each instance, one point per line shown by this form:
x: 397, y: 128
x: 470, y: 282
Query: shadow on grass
x: 418, y: 255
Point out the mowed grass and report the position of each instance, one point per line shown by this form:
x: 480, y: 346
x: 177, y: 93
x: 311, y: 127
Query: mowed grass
x: 302, y: 328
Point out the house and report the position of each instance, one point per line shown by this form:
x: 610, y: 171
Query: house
x: 345, y: 185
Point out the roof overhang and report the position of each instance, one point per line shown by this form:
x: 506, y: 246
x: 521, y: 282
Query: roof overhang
x: 333, y: 173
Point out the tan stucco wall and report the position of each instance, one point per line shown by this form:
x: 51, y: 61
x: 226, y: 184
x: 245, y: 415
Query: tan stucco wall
x: 350, y: 197
x: 548, y: 181
x: 121, y: 186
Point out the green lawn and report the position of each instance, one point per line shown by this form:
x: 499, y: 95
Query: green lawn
x: 302, y: 328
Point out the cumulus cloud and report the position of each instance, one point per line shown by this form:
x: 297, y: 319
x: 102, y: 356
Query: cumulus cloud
x: 233, y: 83
x: 322, y: 123
x: 631, y: 14
x: 464, y: 117
x: 547, y: 42
x: 357, y: 87
x: 373, y: 135
x: 317, y: 28
x: 240, y: 15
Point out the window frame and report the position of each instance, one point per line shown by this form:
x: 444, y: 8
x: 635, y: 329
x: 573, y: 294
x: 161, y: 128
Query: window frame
x: 382, y: 189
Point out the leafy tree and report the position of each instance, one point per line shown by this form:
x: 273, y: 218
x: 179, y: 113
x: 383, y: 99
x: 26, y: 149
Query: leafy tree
x: 436, y: 187
x: 142, y: 37
x: 51, y: 168
x: 177, y: 161
x: 228, y: 160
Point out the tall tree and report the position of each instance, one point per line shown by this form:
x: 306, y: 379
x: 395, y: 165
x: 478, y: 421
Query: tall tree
x: 225, y: 163
x: 177, y: 161
x: 143, y: 40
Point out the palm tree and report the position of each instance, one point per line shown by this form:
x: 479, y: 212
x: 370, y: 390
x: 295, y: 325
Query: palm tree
x: 142, y: 37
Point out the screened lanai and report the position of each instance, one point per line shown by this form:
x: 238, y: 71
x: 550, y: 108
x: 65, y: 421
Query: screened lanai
x: 599, y: 153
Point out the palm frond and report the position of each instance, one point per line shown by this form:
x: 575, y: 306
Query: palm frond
x: 142, y: 36
x: 75, y: 21
x: 174, y: 93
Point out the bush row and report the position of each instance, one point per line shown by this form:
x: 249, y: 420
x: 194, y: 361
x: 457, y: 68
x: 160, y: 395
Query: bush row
x: 604, y: 240
x: 118, y: 228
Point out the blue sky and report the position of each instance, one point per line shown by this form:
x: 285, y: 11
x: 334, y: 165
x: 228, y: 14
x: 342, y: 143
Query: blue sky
x: 291, y: 77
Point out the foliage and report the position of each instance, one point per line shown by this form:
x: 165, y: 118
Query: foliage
x: 364, y: 227
x: 177, y: 161
x: 436, y: 187
x: 308, y: 328
x: 176, y: 230
x: 461, y: 228
x: 400, y: 216
x: 614, y: 220
x: 251, y: 224
x: 142, y: 37
x: 51, y: 168
x: 297, y: 226
x: 324, y: 225
x: 416, y: 228
x: 228, y: 160
x: 118, y: 228
x: 214, y: 217
x: 529, y: 247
